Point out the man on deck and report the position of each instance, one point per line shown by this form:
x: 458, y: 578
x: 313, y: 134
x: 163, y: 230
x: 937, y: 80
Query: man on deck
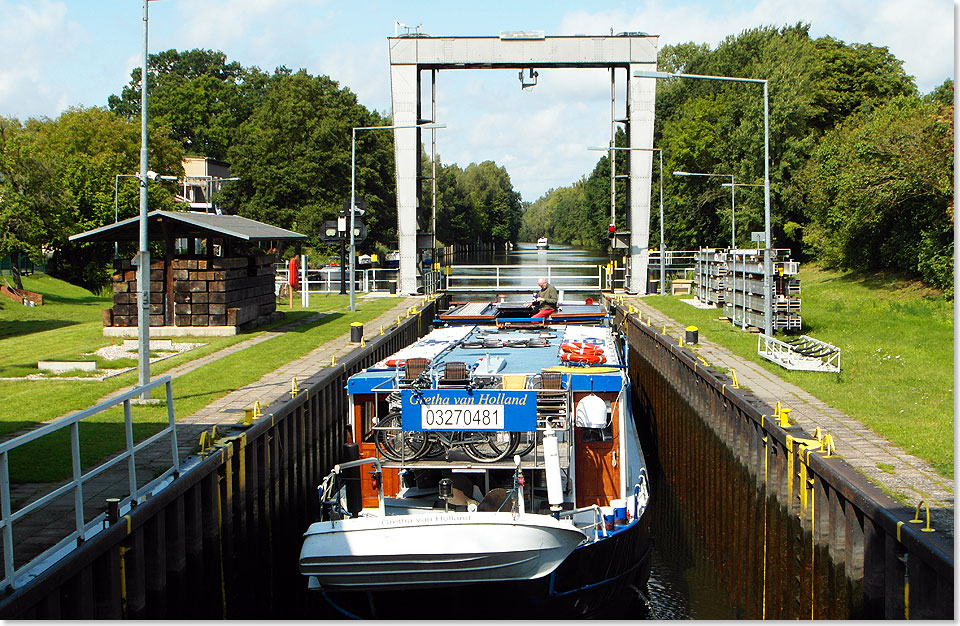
x: 546, y: 300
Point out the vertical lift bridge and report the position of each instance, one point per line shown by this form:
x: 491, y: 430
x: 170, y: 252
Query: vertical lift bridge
x: 525, y: 51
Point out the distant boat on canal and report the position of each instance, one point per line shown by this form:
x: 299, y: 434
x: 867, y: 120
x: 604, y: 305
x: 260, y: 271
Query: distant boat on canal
x: 542, y: 244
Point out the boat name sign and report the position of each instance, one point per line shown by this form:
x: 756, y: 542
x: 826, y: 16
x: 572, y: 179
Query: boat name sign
x: 461, y: 409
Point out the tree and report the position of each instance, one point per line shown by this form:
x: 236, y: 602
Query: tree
x: 292, y: 156
x: 34, y: 205
x: 879, y: 191
x: 200, y: 97
x: 91, y: 147
x: 490, y: 195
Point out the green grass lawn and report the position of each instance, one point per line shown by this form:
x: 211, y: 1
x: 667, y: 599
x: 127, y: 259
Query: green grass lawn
x: 69, y: 324
x: 897, y: 360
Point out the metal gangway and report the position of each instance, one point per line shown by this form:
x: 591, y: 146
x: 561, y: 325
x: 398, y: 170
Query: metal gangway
x: 802, y: 353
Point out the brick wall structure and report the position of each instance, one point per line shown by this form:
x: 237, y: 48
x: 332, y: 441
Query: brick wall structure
x: 210, y: 291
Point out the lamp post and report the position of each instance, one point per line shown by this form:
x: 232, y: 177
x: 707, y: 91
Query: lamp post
x: 767, y: 259
x: 662, y: 244
x: 143, y: 254
x: 353, y: 193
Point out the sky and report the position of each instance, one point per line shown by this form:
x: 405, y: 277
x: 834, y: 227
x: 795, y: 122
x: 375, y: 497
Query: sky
x: 60, y: 54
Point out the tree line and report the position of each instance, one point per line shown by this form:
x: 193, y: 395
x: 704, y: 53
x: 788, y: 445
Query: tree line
x: 286, y: 135
x: 861, y: 163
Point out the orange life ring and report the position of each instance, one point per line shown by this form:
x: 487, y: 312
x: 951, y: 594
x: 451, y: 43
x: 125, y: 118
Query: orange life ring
x: 293, y: 272
x: 589, y: 359
x: 581, y: 348
x: 395, y: 362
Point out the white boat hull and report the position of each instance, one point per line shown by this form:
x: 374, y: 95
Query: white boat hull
x: 438, y: 548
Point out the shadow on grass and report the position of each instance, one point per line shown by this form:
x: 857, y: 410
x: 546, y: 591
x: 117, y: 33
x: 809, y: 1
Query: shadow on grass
x: 78, y: 300
x: 14, y: 328
x: 887, y: 281
x: 297, y: 321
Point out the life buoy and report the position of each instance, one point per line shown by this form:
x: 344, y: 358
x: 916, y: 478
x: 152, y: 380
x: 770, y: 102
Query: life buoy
x: 589, y: 359
x: 395, y: 362
x: 293, y: 272
x: 576, y: 347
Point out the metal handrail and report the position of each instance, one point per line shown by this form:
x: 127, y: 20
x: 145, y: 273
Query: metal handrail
x: 8, y: 517
x: 455, y: 279
x: 597, y: 519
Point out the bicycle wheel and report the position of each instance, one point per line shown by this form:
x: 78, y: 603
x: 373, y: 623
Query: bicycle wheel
x: 527, y: 442
x: 434, y: 447
x: 398, y: 445
x: 490, y: 446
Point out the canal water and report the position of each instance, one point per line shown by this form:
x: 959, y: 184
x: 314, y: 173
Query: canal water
x: 682, y: 584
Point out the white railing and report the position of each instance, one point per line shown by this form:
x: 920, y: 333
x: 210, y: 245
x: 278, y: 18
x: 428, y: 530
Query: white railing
x: 673, y: 260
x: 523, y: 278
x: 75, y: 484
x: 376, y: 279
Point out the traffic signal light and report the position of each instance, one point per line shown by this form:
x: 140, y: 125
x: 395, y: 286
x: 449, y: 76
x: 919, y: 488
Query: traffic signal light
x: 611, y: 230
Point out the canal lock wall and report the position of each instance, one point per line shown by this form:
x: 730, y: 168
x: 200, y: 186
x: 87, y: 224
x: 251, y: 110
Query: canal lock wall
x: 772, y: 516
x: 222, y: 541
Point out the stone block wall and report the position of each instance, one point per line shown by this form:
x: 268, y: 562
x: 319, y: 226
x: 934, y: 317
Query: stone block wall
x: 219, y: 291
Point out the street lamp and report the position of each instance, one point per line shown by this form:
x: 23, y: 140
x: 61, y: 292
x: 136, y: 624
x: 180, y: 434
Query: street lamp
x: 733, y: 205
x: 662, y: 244
x: 353, y: 193
x: 767, y: 260
x: 143, y: 254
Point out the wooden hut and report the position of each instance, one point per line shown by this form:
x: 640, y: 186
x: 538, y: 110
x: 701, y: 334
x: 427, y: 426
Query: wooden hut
x: 213, y: 278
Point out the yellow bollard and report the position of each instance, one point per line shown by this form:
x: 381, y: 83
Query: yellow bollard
x: 257, y: 412
x: 294, y: 388
x: 826, y: 445
x: 333, y: 360
x: 363, y: 342
x: 381, y: 330
x: 247, y: 416
x: 733, y: 379
x: 785, y: 417
x: 916, y: 517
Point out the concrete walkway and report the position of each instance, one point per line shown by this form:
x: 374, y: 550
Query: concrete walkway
x: 45, y: 528
x: 911, y: 480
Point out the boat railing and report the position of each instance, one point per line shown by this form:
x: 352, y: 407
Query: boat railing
x: 561, y: 423
x: 598, y: 525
